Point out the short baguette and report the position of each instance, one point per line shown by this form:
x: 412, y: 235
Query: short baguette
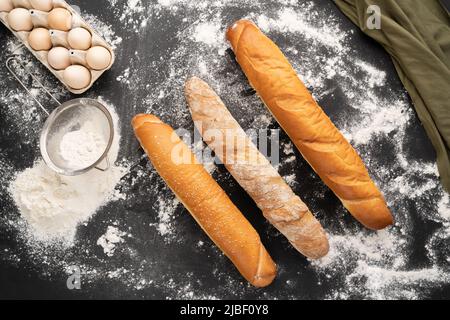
x: 253, y: 171
x: 316, y: 137
x: 205, y: 200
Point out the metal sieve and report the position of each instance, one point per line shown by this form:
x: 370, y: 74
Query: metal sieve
x: 68, y: 117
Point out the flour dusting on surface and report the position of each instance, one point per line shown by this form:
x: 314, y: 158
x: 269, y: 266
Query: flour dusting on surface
x: 376, y: 119
x: 166, y: 209
x: 83, y: 147
x: 54, y: 205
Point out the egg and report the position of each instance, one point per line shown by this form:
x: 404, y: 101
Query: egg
x: 19, y: 19
x: 98, y: 58
x: 58, y: 58
x: 60, y: 19
x: 77, y: 77
x: 6, y: 6
x: 79, y: 39
x: 21, y: 4
x: 39, y: 39
x: 43, y: 5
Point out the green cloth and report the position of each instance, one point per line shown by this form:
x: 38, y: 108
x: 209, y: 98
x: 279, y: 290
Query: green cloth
x: 416, y: 33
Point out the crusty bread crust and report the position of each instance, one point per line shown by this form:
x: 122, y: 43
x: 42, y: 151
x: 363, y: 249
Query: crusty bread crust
x: 253, y: 171
x: 205, y: 200
x: 316, y: 137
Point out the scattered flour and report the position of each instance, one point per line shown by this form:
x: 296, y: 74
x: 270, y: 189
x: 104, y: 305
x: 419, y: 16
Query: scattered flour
x: 288, y: 148
x: 124, y: 77
x: 292, y: 21
x: 83, y: 147
x: 168, y: 3
x: 132, y: 14
x: 291, y: 179
x: 208, y: 33
x: 329, y: 68
x: 110, y: 240
x: 444, y: 207
x: 166, y: 209
x: 374, y: 77
x: 105, y: 30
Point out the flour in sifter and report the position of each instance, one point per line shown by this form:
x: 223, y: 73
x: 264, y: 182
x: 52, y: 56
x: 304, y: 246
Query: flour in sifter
x: 361, y: 264
x: 82, y: 148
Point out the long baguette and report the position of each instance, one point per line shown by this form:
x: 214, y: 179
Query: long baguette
x: 205, y: 200
x: 253, y: 171
x: 316, y: 137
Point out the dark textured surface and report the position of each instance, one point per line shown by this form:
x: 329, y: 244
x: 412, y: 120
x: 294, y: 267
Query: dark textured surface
x: 25, y: 280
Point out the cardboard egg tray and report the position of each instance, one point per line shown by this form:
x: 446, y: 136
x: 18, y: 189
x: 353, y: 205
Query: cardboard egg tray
x: 59, y: 38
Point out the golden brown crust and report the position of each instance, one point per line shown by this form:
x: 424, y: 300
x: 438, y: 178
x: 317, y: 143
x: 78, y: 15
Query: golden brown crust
x: 316, y: 137
x: 253, y: 171
x: 205, y: 200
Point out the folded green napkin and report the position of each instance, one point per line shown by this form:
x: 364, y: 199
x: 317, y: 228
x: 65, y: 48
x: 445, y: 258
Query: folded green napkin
x: 416, y: 33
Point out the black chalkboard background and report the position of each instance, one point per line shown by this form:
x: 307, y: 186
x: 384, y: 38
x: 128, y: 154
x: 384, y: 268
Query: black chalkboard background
x: 24, y: 280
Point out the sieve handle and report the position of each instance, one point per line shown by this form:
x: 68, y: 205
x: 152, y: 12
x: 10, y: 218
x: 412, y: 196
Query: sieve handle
x: 11, y: 69
x: 108, y: 165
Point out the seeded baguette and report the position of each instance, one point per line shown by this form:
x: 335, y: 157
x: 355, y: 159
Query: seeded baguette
x: 205, y: 200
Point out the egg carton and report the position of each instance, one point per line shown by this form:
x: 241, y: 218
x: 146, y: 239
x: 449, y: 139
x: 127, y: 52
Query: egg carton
x: 59, y: 38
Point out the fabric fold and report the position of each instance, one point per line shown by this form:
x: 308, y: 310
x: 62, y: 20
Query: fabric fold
x: 416, y: 34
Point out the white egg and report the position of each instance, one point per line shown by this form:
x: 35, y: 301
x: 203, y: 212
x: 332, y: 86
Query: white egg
x: 79, y: 39
x: 60, y: 19
x: 22, y: 4
x: 19, y: 19
x: 77, y: 77
x: 6, y: 5
x: 98, y: 58
x: 43, y: 5
x: 39, y: 39
x: 59, y: 58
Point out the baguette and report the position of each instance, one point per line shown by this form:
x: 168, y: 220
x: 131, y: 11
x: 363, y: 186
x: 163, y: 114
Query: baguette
x: 253, y: 171
x: 205, y: 200
x: 313, y: 133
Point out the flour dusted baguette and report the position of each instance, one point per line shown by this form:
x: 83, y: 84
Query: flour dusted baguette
x: 205, y: 200
x: 253, y: 171
x: 316, y: 137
